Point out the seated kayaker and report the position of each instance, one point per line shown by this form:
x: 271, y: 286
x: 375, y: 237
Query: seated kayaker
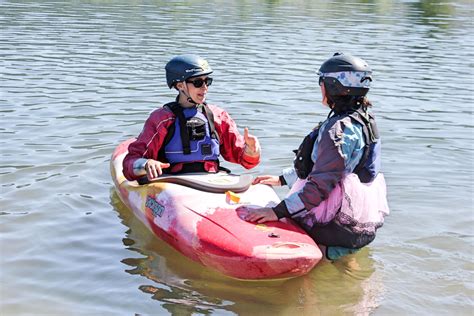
x: 337, y: 194
x: 188, y: 135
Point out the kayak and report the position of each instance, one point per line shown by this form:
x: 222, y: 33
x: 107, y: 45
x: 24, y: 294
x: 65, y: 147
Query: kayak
x: 196, y: 214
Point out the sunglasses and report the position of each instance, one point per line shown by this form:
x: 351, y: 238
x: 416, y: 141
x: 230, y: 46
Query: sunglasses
x: 199, y: 82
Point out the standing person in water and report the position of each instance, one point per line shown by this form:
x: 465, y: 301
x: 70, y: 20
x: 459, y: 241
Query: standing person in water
x: 188, y: 135
x: 337, y: 194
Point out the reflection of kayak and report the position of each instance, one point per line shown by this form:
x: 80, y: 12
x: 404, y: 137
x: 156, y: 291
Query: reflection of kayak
x: 205, y: 227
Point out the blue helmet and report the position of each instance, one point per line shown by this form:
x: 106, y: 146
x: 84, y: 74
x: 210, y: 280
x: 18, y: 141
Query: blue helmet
x: 183, y: 67
x: 345, y: 75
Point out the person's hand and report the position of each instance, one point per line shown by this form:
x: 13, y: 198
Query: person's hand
x: 252, y: 146
x: 257, y: 215
x: 154, y: 168
x: 269, y: 180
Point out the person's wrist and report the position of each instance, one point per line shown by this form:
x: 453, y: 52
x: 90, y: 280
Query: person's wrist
x: 281, y: 210
x: 282, y: 180
x: 139, y: 166
x: 251, y: 152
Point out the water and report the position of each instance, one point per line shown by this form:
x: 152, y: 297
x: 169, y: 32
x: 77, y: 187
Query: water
x: 78, y: 77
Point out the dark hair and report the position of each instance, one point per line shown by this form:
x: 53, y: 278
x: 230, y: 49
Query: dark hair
x: 347, y: 103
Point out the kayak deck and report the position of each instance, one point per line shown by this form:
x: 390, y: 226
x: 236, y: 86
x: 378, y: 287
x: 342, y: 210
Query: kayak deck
x: 206, y: 227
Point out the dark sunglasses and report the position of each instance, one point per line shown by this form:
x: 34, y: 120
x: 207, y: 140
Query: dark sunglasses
x: 199, y: 82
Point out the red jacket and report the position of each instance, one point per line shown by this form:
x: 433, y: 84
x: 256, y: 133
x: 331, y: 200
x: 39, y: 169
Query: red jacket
x: 150, y: 141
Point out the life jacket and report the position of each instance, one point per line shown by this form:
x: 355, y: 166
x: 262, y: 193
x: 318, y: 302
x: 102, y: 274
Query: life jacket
x: 369, y: 164
x: 191, y: 139
x: 341, y: 230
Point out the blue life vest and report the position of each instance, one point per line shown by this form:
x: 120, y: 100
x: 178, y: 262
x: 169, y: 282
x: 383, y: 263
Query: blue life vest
x: 368, y: 166
x: 192, y: 138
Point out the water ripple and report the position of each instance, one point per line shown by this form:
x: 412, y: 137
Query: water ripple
x: 78, y: 78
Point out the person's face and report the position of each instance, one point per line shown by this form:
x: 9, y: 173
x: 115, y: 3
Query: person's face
x: 323, y: 93
x: 197, y: 88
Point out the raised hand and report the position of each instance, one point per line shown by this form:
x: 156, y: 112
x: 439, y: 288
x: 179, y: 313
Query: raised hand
x: 252, y: 146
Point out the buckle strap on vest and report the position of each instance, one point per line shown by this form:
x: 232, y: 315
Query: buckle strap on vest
x: 370, y: 132
x: 178, y: 112
x: 210, y: 118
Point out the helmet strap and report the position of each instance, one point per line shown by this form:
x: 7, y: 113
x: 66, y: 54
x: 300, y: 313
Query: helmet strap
x: 186, y: 94
x: 190, y: 100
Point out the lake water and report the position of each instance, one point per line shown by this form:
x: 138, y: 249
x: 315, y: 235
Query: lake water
x: 78, y: 77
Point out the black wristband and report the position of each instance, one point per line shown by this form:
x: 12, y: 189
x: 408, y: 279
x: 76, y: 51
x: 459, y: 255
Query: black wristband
x: 281, y: 210
x: 282, y: 180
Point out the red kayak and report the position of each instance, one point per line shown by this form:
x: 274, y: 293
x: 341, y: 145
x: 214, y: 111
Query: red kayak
x: 196, y: 214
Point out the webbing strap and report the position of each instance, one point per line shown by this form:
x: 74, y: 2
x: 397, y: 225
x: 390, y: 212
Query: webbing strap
x: 210, y: 119
x: 178, y: 112
x: 369, y: 129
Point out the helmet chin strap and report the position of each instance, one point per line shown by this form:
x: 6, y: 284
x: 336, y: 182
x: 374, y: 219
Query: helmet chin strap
x: 189, y: 99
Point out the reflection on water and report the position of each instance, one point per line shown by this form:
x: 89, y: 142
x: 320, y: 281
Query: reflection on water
x: 186, y: 287
x: 434, y: 12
